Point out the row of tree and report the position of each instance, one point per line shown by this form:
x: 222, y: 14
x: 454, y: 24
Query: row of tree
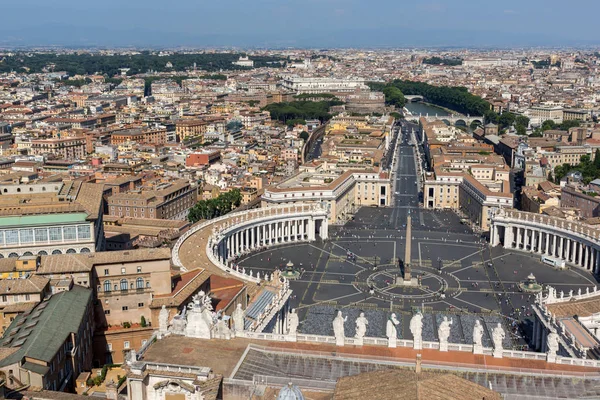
x: 455, y: 98
x: 301, y: 110
x: 213, y: 208
x: 589, y: 170
x: 81, y: 64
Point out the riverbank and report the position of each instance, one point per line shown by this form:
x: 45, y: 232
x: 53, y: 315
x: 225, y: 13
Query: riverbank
x: 424, y: 108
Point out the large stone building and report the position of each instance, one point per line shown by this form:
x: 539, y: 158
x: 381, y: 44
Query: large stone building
x: 62, y: 218
x: 342, y: 192
x: 302, y: 85
x: 169, y: 200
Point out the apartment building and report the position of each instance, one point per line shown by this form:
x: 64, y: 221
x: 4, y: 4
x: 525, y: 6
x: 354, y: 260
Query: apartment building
x: 70, y: 148
x: 169, y: 200
x: 476, y: 201
x: 190, y: 128
x: 575, y: 197
x: 139, y: 135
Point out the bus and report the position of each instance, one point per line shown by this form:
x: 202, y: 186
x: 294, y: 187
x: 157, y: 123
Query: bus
x: 555, y: 262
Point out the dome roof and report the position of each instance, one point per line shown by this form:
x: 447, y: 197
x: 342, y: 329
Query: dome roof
x: 290, y: 392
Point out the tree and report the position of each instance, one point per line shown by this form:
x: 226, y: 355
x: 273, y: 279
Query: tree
x: 394, y: 97
x: 396, y: 115
x: 304, y: 135
x: 522, y: 120
x: 548, y: 125
x: 491, y: 116
x: 234, y: 125
x: 506, y: 120
x: 521, y: 130
x: 143, y: 321
x: 597, y: 159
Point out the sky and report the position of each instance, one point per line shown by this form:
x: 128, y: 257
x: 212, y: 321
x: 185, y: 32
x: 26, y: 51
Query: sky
x: 300, y: 23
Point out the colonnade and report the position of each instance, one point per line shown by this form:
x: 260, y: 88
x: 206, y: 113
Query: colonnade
x: 572, y: 246
x: 250, y: 237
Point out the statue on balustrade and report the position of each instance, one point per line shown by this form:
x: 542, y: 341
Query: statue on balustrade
x: 552, y: 343
x: 416, y: 328
x: 477, y: 338
x: 293, y: 322
x: 338, y: 328
x: 391, y: 331
x: 361, y: 326
x: 238, y: 319
x: 444, y: 333
x: 498, y: 336
x: 163, y: 320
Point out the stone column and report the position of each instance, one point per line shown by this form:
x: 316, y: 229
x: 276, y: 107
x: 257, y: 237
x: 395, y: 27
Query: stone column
x: 560, y: 247
x: 518, y: 244
x: 547, y: 242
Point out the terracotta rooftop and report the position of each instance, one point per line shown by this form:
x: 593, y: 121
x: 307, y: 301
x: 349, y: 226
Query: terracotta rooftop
x: 188, y: 284
x: 581, y: 308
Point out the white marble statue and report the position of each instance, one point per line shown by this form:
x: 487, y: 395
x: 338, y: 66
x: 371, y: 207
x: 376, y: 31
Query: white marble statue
x: 444, y: 333
x: 200, y: 317
x: 222, y: 331
x: 338, y: 328
x: 391, y: 331
x: 293, y: 322
x: 477, y: 337
x: 238, y: 319
x: 416, y: 328
x: 552, y: 343
x: 498, y: 336
x: 361, y: 326
x: 163, y: 320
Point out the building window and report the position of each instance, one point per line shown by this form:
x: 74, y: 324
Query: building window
x: 139, y: 283
x: 147, y: 284
x: 55, y: 234
x: 125, y: 308
x: 140, y: 305
x: 70, y: 233
x: 107, y: 286
x: 106, y: 272
x: 4, y: 298
x: 126, y: 344
x: 27, y: 297
x: 106, y: 312
x: 124, y: 285
x: 139, y: 269
x: 12, y: 236
x: 109, y: 346
x: 26, y: 235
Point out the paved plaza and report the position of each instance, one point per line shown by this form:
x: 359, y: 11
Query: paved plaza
x: 460, y: 275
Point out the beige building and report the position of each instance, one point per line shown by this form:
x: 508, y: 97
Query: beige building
x: 167, y: 201
x: 343, y: 192
x: 66, y: 148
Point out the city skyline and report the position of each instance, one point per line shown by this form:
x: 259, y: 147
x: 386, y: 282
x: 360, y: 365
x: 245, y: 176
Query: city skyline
x: 312, y: 23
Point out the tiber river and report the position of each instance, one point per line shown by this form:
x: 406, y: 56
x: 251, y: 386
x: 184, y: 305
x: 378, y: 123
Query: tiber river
x: 423, y: 108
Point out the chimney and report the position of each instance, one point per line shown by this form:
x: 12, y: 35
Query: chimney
x: 418, y: 365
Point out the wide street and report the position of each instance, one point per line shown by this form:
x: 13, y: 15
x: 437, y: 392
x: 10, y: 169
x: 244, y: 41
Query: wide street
x: 460, y: 275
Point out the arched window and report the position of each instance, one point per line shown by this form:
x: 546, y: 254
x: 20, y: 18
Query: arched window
x: 139, y: 283
x: 147, y: 284
x: 107, y: 286
x: 124, y: 284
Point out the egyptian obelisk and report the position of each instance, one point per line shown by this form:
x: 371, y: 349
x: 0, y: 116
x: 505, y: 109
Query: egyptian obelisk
x: 407, y: 250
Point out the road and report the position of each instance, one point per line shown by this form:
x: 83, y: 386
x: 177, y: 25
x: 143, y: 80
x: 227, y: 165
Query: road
x: 405, y: 189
